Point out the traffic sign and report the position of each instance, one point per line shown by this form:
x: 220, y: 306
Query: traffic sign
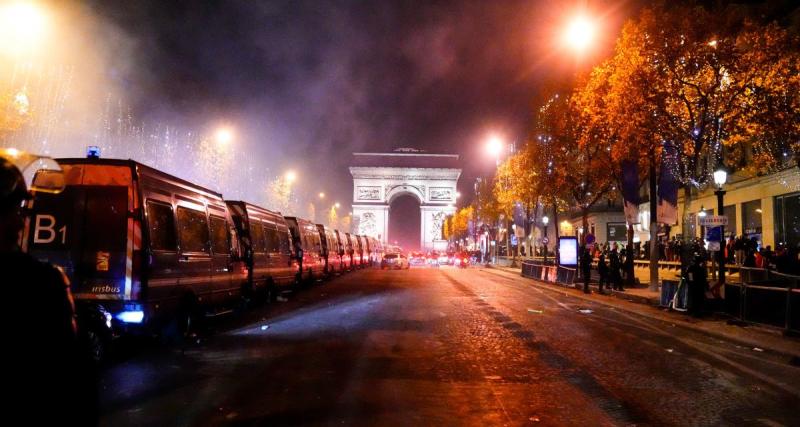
x: 714, y: 220
x: 545, y: 240
x: 589, y: 238
x: 714, y: 234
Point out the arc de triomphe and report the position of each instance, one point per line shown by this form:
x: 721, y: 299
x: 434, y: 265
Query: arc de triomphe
x: 378, y: 178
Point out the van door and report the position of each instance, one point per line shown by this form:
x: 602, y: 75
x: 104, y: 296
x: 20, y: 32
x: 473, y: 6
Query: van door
x: 162, y: 252
x: 84, y: 230
x: 195, y: 253
x: 259, y: 246
x: 288, y: 265
x: 223, y: 284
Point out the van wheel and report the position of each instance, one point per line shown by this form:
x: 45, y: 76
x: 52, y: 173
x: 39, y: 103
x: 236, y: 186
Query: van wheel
x: 310, y: 277
x: 270, y: 291
x: 95, y: 345
x: 186, y: 324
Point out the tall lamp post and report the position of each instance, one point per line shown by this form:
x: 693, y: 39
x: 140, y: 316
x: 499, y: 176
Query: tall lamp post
x: 720, y: 178
x: 545, y: 220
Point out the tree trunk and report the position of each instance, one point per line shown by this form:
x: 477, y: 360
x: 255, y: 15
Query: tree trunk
x: 653, y: 225
x: 555, y: 228
x: 630, y: 279
x: 584, y: 224
x: 686, y: 228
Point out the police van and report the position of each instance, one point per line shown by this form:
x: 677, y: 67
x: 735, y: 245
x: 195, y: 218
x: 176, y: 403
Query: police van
x: 141, y: 248
x: 266, y: 247
x: 345, y: 250
x: 362, y: 250
x: 355, y: 250
x: 377, y: 250
x: 330, y: 250
x: 307, y: 247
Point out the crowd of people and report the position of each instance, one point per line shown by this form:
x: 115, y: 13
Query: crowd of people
x: 740, y: 251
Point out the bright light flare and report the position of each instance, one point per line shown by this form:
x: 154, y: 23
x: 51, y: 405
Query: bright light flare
x: 224, y: 135
x: 291, y: 176
x: 494, y: 145
x: 580, y: 32
x: 22, y: 23
x: 321, y: 195
x: 337, y: 205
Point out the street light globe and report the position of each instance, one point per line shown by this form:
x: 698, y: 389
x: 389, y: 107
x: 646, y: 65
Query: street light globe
x: 494, y: 145
x: 224, y: 136
x: 720, y: 176
x: 579, y: 33
x: 545, y: 220
x: 321, y: 195
x: 291, y: 176
x: 337, y: 205
x: 21, y: 24
x: 702, y: 213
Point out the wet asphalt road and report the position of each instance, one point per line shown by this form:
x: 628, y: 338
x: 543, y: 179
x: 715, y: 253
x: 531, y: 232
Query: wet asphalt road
x: 448, y: 347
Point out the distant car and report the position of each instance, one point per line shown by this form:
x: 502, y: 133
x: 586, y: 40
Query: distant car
x: 396, y: 261
x: 461, y: 259
x: 417, y: 258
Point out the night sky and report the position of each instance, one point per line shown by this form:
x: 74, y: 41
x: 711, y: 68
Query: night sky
x: 305, y: 83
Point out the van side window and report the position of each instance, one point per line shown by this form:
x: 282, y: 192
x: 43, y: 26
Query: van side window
x: 219, y: 236
x: 273, y: 241
x: 193, y: 230
x: 161, y: 223
x: 283, y: 242
x: 257, y: 236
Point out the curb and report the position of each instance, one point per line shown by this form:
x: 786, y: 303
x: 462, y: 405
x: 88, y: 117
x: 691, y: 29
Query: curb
x: 678, y: 322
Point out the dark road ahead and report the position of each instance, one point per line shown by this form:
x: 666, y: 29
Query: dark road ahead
x: 449, y: 347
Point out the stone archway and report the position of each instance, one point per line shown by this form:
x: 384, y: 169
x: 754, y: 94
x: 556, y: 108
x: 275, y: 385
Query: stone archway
x: 404, y: 225
x: 379, y: 178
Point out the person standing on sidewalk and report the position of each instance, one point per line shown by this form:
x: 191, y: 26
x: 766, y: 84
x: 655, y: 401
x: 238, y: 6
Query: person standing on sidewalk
x: 616, y: 266
x: 602, y: 268
x: 586, y: 268
x: 698, y: 283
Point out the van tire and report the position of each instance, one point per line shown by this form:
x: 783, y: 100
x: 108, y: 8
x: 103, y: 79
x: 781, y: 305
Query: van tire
x: 96, y: 346
x: 270, y: 291
x: 184, y: 326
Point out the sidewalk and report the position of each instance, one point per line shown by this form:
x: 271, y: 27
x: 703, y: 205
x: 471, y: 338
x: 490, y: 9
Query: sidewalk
x: 646, y: 303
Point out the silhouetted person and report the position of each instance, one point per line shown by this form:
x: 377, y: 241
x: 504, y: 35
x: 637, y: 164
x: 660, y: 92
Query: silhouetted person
x: 49, y: 377
x: 698, y: 282
x: 586, y: 268
x: 602, y: 268
x: 615, y: 266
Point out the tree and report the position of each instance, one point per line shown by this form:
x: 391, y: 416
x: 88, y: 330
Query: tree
x: 14, y: 111
x: 711, y: 84
x: 576, y: 148
x: 333, y: 218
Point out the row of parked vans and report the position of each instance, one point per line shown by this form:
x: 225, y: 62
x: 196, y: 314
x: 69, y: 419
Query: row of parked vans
x: 147, y: 251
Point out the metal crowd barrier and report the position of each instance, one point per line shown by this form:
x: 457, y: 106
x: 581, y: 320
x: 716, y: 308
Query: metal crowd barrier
x: 765, y: 297
x: 536, y: 269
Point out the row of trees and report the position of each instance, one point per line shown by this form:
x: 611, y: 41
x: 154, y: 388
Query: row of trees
x: 719, y: 87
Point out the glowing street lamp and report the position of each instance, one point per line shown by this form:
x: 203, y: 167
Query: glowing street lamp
x: 223, y: 136
x: 545, y: 220
x: 337, y: 205
x: 580, y: 32
x: 495, y: 147
x: 22, y: 23
x: 290, y: 176
x: 321, y: 195
x: 720, y: 178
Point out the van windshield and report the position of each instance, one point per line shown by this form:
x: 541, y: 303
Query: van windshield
x: 84, y: 229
